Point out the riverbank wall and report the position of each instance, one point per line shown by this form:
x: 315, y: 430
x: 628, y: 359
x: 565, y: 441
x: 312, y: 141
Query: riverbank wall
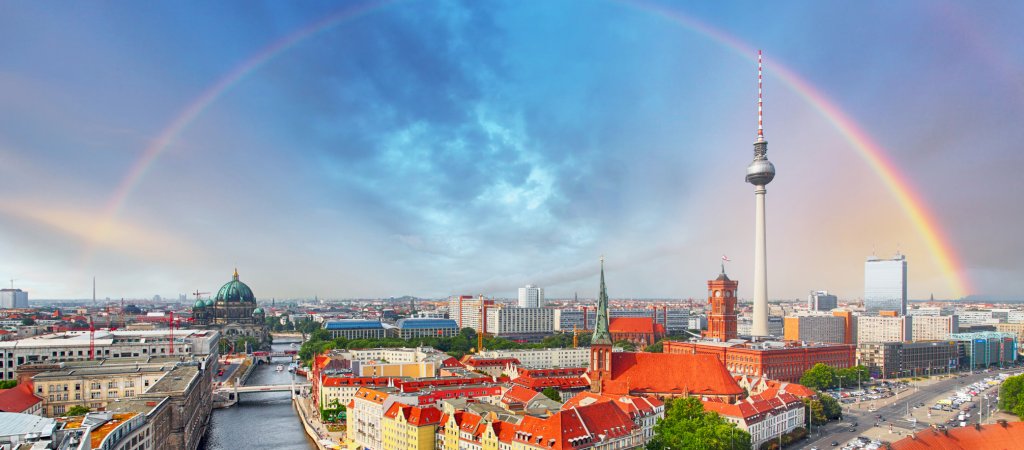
x: 305, y: 424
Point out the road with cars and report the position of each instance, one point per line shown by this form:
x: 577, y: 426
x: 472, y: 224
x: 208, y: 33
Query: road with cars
x: 891, y: 414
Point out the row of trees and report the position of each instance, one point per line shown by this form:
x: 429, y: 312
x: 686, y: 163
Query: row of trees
x: 320, y: 340
x: 823, y: 377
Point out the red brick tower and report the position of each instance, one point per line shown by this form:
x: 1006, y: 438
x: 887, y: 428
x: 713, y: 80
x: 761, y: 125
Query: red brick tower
x: 722, y: 297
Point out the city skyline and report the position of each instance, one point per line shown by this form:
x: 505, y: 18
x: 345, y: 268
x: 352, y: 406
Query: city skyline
x: 376, y: 149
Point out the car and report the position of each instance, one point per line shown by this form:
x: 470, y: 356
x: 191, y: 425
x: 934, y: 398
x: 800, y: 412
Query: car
x: 834, y: 443
x: 852, y: 430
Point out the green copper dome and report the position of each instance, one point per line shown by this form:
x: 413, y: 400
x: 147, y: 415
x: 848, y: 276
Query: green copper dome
x: 258, y: 310
x: 235, y: 291
x: 208, y: 302
x: 199, y: 304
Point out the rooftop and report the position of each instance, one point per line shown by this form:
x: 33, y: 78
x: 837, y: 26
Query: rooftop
x: 14, y: 424
x: 426, y: 323
x: 175, y: 381
x: 353, y: 324
x: 1000, y: 436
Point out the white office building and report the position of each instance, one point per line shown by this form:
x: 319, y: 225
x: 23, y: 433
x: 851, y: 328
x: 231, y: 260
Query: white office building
x: 884, y: 329
x: 934, y: 328
x: 13, y: 298
x: 885, y: 285
x: 74, y: 346
x: 513, y: 321
x: 544, y: 358
x: 969, y: 318
x: 822, y: 301
x: 531, y: 296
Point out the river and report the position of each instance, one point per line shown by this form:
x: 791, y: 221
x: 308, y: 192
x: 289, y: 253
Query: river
x: 261, y: 420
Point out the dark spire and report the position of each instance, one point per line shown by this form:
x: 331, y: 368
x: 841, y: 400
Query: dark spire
x: 601, y: 333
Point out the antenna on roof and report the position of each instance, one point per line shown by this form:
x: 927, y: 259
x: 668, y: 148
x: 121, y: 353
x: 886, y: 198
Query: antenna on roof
x: 760, y: 103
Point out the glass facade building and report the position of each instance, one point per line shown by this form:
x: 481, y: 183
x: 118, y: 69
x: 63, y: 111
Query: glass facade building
x: 885, y: 285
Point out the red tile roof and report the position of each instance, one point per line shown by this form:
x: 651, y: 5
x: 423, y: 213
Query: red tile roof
x: 18, y: 399
x: 631, y: 325
x: 663, y: 373
x: 563, y: 429
x: 555, y: 382
x: 989, y: 437
x: 518, y: 394
x: 632, y: 405
x: 416, y: 416
x: 488, y: 362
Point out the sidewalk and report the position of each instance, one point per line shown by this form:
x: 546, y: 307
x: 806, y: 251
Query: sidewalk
x: 312, y: 417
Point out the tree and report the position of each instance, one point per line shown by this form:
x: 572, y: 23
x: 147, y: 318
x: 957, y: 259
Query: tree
x: 830, y: 407
x: 657, y: 347
x: 686, y: 425
x: 819, y: 377
x: 77, y: 410
x: 28, y: 321
x: 7, y: 384
x: 814, y: 412
x: 552, y: 393
x: 1011, y: 395
x: 628, y: 346
x: 850, y: 375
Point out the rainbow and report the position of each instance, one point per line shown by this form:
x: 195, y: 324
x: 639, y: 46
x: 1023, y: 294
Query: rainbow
x: 188, y: 115
x: 870, y: 151
x: 873, y: 154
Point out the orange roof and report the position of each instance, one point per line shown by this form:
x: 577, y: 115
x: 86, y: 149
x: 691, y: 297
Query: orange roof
x: 631, y: 325
x: 415, y: 415
x: 664, y: 373
x: 371, y: 395
x: 632, y: 405
x: 18, y: 399
x: 518, y: 394
x: 563, y: 429
x: 987, y: 437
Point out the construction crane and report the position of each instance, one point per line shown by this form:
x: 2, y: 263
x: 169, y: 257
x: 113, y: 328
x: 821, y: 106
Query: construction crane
x: 197, y: 294
x: 575, y: 337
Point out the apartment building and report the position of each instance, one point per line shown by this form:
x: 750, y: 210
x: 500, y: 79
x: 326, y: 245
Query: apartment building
x: 884, y: 329
x: 95, y: 387
x: 815, y: 328
x: 934, y: 328
x: 106, y: 344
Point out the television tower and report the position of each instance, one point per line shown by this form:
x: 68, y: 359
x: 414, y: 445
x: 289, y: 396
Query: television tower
x: 760, y: 172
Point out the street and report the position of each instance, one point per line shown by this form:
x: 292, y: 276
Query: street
x: 894, y: 412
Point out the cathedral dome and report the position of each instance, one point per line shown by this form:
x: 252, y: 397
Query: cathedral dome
x: 199, y: 304
x: 258, y: 310
x: 208, y: 302
x: 235, y: 291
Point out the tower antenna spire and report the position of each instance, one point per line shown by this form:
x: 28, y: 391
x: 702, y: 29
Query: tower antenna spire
x: 760, y: 100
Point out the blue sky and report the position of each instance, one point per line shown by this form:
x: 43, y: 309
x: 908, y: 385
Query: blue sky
x: 437, y: 148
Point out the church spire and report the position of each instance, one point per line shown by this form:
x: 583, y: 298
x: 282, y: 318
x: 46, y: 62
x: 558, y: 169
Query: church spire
x: 601, y: 333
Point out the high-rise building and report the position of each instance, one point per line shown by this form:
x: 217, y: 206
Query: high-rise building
x: 822, y: 301
x: 722, y: 297
x: 466, y: 310
x: 760, y: 172
x: 13, y: 298
x: 531, y: 296
x: 885, y: 285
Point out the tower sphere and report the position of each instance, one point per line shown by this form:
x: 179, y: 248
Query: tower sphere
x: 760, y: 172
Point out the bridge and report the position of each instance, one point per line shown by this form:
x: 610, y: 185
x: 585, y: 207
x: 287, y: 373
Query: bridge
x: 230, y: 395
